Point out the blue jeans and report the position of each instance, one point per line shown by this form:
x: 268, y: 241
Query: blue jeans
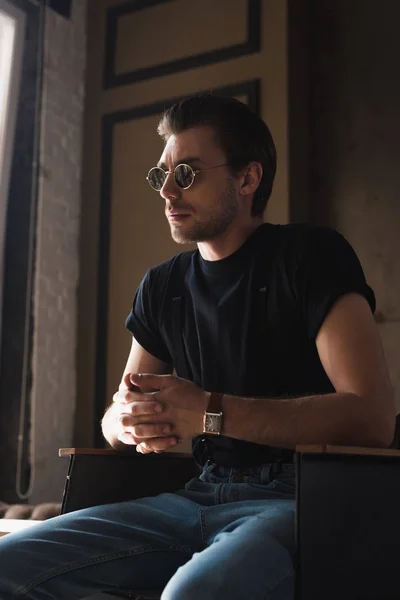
x: 228, y: 535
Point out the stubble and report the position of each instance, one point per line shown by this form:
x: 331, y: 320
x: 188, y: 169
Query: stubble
x: 214, y: 224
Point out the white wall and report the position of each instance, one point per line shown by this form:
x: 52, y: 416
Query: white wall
x: 56, y: 273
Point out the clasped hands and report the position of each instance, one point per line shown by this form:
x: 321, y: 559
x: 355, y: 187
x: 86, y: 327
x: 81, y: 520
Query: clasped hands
x: 156, y: 420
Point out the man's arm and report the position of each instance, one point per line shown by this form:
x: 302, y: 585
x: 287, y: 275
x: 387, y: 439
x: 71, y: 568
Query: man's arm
x: 361, y: 412
x: 139, y: 360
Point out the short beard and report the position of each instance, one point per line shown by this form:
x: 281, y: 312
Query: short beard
x: 218, y: 222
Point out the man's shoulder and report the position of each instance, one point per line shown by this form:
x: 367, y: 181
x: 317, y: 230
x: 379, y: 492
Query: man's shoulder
x: 300, y: 231
x: 159, y: 275
x: 297, y: 237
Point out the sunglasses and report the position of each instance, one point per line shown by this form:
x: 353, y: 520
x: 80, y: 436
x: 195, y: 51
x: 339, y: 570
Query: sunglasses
x: 184, y: 176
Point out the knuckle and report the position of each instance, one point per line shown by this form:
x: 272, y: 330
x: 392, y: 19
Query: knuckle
x: 125, y: 420
x: 133, y: 409
x: 162, y: 444
x: 139, y: 408
x: 153, y: 408
x: 121, y: 419
x: 138, y: 431
x: 142, y: 408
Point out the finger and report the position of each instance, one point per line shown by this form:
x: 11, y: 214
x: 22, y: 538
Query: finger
x: 149, y: 381
x: 157, y: 445
x: 144, y: 449
x: 145, y: 431
x: 138, y: 409
x: 126, y: 384
x: 126, y: 438
x: 123, y: 396
x: 127, y: 422
x: 127, y: 396
x: 150, y: 407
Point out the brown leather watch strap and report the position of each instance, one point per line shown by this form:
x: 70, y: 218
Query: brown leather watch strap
x: 215, y: 403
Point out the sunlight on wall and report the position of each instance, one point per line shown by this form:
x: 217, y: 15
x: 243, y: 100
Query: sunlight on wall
x: 7, y: 44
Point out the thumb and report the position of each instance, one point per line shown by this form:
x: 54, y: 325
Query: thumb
x: 148, y: 380
x: 127, y: 385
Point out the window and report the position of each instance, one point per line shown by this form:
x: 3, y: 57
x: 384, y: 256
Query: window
x: 7, y: 51
x: 12, y: 29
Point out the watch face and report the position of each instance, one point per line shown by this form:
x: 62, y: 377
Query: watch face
x: 212, y: 423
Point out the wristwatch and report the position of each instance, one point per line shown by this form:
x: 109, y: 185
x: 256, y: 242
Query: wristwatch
x: 212, y: 422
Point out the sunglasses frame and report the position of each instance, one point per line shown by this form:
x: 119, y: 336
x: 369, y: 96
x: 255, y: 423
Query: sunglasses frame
x: 194, y: 172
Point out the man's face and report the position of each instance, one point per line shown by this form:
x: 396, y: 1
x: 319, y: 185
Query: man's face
x: 205, y: 210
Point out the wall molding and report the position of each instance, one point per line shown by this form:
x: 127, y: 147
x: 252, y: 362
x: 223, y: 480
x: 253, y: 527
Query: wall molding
x: 112, y: 80
x: 250, y: 89
x: 62, y: 7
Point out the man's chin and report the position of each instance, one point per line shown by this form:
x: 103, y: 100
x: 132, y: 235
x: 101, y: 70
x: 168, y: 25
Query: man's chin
x: 179, y: 236
x: 181, y: 239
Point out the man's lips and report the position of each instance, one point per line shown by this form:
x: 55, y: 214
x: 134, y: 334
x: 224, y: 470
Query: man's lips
x: 177, y: 216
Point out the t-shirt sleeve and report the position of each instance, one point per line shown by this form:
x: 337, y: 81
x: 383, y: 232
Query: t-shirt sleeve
x: 143, y: 320
x: 327, y: 269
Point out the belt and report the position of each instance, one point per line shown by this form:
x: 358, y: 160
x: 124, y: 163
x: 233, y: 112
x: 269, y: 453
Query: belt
x: 203, y: 452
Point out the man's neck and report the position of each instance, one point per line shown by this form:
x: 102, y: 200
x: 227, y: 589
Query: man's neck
x: 227, y: 243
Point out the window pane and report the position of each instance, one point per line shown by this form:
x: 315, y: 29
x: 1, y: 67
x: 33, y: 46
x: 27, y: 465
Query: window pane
x: 7, y: 45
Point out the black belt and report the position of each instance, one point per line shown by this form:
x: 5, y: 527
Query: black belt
x: 203, y: 452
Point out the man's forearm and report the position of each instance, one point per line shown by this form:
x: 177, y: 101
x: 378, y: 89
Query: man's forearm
x: 337, y: 418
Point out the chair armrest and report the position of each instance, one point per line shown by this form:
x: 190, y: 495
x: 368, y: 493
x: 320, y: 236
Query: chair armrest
x: 355, y: 450
x: 102, y: 476
x: 130, y: 451
x: 347, y: 522
x: 90, y: 451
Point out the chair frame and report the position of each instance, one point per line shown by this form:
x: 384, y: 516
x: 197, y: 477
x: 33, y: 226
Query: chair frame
x: 347, y: 525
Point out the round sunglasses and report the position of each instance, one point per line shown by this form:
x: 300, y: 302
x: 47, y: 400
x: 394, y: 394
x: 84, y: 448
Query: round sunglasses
x: 184, y: 176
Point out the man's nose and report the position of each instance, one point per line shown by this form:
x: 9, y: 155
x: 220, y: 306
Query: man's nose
x: 170, y: 189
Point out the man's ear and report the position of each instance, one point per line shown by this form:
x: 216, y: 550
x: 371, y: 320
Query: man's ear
x: 250, y: 178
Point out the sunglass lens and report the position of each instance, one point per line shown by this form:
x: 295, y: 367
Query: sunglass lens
x: 156, y: 178
x: 184, y: 176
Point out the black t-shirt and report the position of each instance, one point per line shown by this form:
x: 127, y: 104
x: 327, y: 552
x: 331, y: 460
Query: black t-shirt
x: 248, y: 323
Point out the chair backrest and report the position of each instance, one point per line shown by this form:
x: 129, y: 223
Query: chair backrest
x: 396, y: 437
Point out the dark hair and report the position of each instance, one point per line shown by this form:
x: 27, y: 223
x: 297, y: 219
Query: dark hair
x: 242, y: 135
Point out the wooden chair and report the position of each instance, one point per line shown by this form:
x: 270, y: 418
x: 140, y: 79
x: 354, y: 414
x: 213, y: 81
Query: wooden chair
x: 347, y: 511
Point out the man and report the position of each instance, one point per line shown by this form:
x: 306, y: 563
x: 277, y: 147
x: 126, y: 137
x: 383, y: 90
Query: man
x: 271, y: 332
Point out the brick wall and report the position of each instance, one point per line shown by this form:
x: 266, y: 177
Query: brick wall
x: 57, y: 267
